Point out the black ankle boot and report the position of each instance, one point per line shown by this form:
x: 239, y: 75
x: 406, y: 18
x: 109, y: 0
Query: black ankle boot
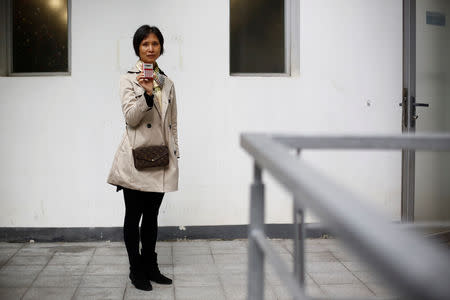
x: 139, y: 279
x: 151, y: 269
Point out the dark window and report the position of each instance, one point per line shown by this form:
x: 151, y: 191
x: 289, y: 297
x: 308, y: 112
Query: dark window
x: 257, y: 40
x: 40, y: 36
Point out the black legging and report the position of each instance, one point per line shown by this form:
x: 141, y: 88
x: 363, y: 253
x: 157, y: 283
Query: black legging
x: 137, y: 204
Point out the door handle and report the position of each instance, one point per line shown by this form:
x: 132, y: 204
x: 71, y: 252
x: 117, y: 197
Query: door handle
x: 417, y: 104
x: 421, y: 104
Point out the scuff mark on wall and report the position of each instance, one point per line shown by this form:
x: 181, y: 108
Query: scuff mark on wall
x: 42, y: 209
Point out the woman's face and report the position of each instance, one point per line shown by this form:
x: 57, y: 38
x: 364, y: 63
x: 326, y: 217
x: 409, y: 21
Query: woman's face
x: 150, y: 49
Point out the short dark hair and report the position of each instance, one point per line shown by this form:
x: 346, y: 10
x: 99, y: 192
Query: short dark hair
x: 143, y: 32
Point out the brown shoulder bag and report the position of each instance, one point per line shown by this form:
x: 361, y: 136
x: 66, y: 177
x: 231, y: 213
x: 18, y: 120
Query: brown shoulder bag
x: 150, y: 157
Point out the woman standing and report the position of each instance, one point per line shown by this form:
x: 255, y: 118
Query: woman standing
x: 150, y: 110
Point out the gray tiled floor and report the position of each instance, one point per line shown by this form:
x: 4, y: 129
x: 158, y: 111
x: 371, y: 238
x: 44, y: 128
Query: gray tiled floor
x: 200, y: 269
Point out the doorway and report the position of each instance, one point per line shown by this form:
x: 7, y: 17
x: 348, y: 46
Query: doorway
x: 426, y: 108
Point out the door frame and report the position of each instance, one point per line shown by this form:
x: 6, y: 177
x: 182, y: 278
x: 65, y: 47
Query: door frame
x: 408, y: 108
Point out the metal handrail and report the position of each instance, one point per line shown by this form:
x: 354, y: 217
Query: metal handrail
x: 417, y: 268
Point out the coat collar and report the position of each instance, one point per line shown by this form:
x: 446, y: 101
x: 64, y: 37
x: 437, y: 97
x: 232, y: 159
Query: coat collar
x: 165, y: 101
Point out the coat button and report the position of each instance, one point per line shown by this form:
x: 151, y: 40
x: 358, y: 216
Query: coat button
x: 170, y: 126
x: 149, y: 125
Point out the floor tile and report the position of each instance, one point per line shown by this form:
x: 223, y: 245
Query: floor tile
x: 49, y: 293
x: 56, y: 281
x: 190, y: 243
x: 346, y: 256
x: 193, y: 260
x: 85, y: 293
x: 320, y: 257
x: 226, y: 247
x: 334, y: 245
x: 74, y: 251
x: 316, y: 267
x: 239, y: 292
x: 164, y: 244
x: 191, y: 250
x: 200, y: 270
x: 19, y: 270
x: 159, y: 292
x: 288, y: 244
x: 279, y: 247
x: 4, y: 260
x: 104, y: 281
x: 63, y: 270
x: 81, y: 245
x: 312, y: 247
x: 355, y: 266
x: 111, y: 251
x: 225, y: 259
x: 274, y: 279
x: 232, y: 268
x: 199, y: 293
x: 282, y: 293
x: 381, y: 289
x: 314, y: 291
x: 166, y: 270
x: 43, y: 245
x: 109, y: 260
x: 107, y: 270
x: 120, y: 243
x: 334, y: 278
x: 7, y: 252
x: 346, y: 290
x: 187, y: 280
x: 233, y: 278
x: 287, y: 259
x: 16, y: 280
x: 12, y: 293
x: 4, y: 245
x: 36, y: 252
x: 78, y: 248
x: 164, y: 250
x: 240, y: 281
x: 29, y: 260
x: 368, y: 277
x: 165, y: 260
x: 70, y: 260
x: 195, y: 269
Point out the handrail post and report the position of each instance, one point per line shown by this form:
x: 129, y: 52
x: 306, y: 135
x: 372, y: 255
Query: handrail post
x: 299, y: 240
x: 299, y: 244
x: 255, y: 253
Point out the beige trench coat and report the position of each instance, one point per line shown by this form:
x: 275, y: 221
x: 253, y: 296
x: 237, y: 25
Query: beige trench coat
x: 146, y: 127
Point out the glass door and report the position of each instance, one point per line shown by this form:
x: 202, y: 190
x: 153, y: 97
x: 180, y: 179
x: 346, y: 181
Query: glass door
x: 426, y: 108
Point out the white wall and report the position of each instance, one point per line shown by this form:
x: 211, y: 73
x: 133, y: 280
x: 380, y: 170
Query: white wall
x: 60, y: 133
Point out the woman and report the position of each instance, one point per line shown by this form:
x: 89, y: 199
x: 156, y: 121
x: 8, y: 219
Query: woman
x: 150, y: 110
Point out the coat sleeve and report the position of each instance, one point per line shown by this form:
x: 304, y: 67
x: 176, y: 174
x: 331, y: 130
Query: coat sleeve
x: 134, y: 106
x: 175, y: 122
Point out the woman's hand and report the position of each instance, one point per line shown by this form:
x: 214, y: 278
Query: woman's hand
x: 146, y: 83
